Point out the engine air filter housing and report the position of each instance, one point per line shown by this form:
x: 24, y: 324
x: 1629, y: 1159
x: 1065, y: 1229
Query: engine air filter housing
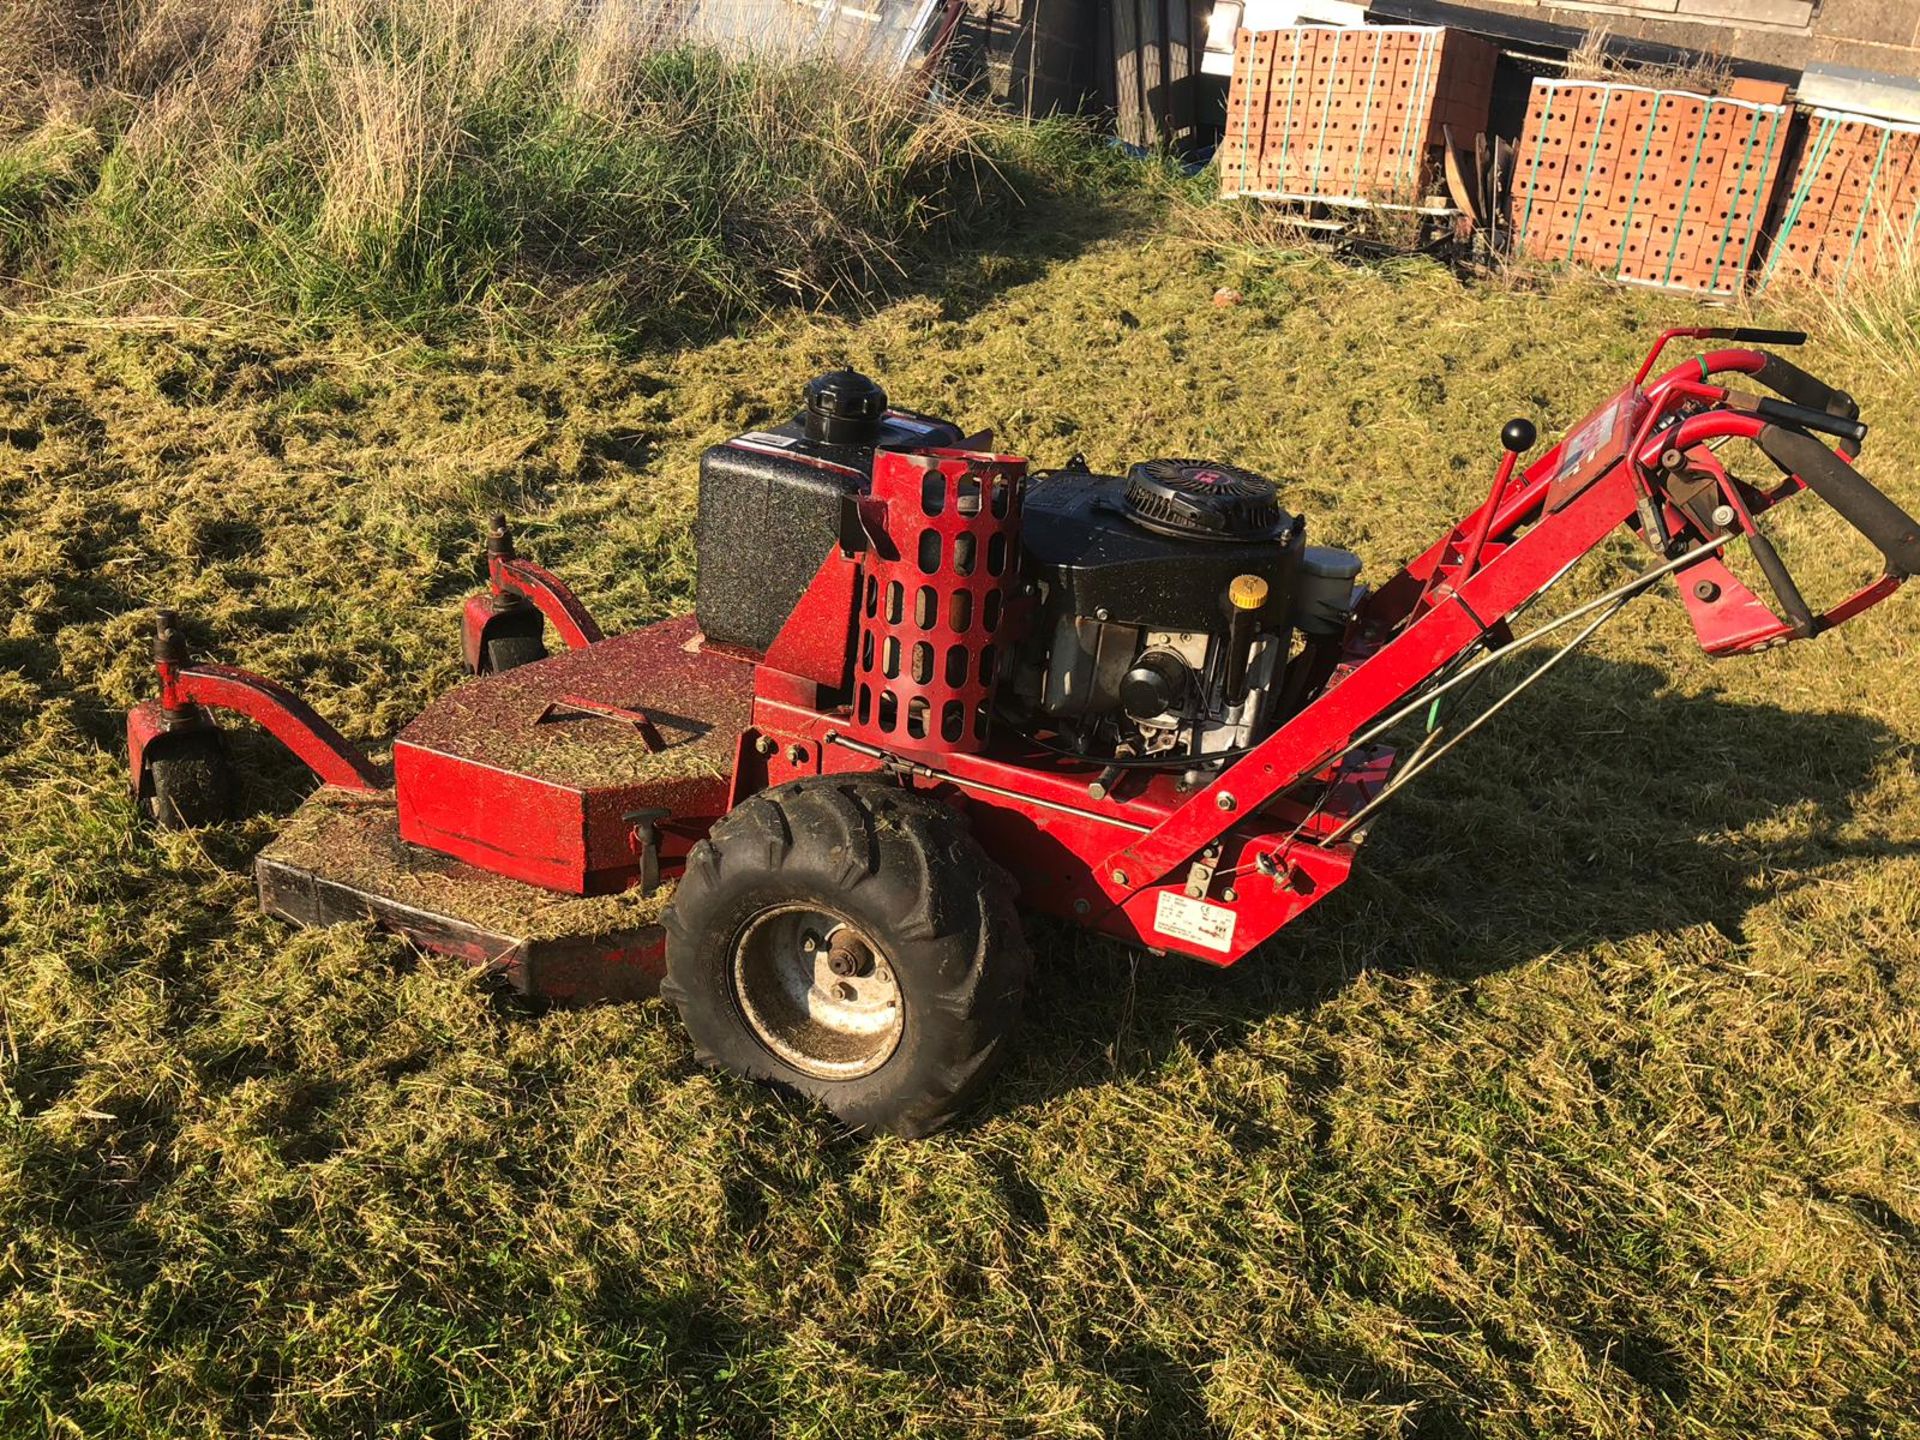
x: 1203, y: 500
x: 935, y: 597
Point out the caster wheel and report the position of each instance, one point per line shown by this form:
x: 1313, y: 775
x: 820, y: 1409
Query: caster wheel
x: 510, y: 652
x: 188, y: 781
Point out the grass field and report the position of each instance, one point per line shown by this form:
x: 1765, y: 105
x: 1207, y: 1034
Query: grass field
x: 1591, y: 1108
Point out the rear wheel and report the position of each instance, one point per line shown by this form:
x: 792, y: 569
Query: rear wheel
x: 188, y: 782
x: 849, y: 940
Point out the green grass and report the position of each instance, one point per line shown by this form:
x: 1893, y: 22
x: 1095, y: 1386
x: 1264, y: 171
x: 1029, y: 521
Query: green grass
x: 1589, y: 1108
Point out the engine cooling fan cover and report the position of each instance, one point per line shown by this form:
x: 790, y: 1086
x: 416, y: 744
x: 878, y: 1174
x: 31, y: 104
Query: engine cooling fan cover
x: 1202, y: 499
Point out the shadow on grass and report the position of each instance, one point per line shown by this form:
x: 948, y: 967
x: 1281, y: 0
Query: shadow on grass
x: 1601, y: 808
x: 1050, y: 224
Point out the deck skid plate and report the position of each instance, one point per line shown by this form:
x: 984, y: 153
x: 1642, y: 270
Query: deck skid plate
x: 341, y: 859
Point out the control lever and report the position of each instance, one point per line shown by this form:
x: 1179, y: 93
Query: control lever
x: 1751, y: 335
x: 1798, y: 614
x: 1800, y: 417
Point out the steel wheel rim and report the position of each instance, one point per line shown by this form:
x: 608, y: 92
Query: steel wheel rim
x: 818, y: 992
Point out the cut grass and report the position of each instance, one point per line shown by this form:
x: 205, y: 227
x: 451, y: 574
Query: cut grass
x: 1589, y: 1107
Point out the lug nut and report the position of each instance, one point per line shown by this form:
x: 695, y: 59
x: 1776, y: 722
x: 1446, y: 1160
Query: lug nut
x: 844, y: 991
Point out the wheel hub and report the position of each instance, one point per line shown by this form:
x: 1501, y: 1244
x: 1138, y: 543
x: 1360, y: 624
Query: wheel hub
x: 817, y: 992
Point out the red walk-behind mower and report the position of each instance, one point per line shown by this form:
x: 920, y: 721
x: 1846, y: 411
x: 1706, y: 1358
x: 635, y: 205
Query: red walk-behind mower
x: 923, y: 686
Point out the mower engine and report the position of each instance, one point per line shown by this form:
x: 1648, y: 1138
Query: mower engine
x: 1166, y: 605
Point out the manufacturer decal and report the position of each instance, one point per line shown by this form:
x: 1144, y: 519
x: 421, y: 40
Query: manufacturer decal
x: 1194, y: 921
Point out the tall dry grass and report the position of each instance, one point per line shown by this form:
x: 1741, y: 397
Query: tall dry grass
x: 1596, y: 59
x: 435, y: 160
x: 1874, y: 307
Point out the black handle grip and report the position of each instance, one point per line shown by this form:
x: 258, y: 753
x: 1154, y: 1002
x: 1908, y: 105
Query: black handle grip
x: 1788, y: 379
x: 1748, y: 335
x: 1894, y: 533
x: 1803, y: 418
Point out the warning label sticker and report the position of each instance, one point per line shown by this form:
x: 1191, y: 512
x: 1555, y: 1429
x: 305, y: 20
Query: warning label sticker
x: 1194, y: 921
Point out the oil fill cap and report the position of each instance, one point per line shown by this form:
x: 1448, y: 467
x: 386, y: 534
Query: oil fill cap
x: 1247, y: 592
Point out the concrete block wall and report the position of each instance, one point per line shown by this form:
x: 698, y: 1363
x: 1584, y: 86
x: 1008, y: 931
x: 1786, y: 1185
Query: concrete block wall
x: 1881, y: 36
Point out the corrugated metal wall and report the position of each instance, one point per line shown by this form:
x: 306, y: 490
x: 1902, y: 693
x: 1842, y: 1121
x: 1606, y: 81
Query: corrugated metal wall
x: 1151, y: 51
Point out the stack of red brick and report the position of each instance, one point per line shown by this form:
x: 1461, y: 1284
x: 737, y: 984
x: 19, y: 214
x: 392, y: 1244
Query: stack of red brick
x: 1854, y: 199
x: 1350, y: 115
x: 1658, y: 186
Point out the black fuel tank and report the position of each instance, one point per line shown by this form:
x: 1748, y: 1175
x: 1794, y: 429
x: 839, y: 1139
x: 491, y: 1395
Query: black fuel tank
x: 769, y: 512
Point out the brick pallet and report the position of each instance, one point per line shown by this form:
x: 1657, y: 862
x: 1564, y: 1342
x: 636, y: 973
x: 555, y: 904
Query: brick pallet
x: 1660, y: 187
x: 1349, y: 116
x: 1853, y: 201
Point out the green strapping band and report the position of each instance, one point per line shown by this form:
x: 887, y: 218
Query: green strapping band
x: 1686, y: 194
x: 1913, y: 171
x: 1829, y: 127
x: 1780, y: 117
x: 1866, y: 204
x: 1726, y: 230
x: 1533, y: 171
x: 1286, y: 123
x: 1633, y: 196
x: 1593, y: 154
x: 1409, y: 171
x: 1366, y: 111
x: 1320, y: 141
x: 1246, y: 115
x: 1913, y: 224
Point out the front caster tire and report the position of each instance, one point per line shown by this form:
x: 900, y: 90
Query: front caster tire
x: 510, y: 652
x: 848, y: 939
x: 188, y: 782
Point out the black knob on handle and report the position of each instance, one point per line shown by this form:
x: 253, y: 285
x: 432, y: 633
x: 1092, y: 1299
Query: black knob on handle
x: 1518, y: 435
